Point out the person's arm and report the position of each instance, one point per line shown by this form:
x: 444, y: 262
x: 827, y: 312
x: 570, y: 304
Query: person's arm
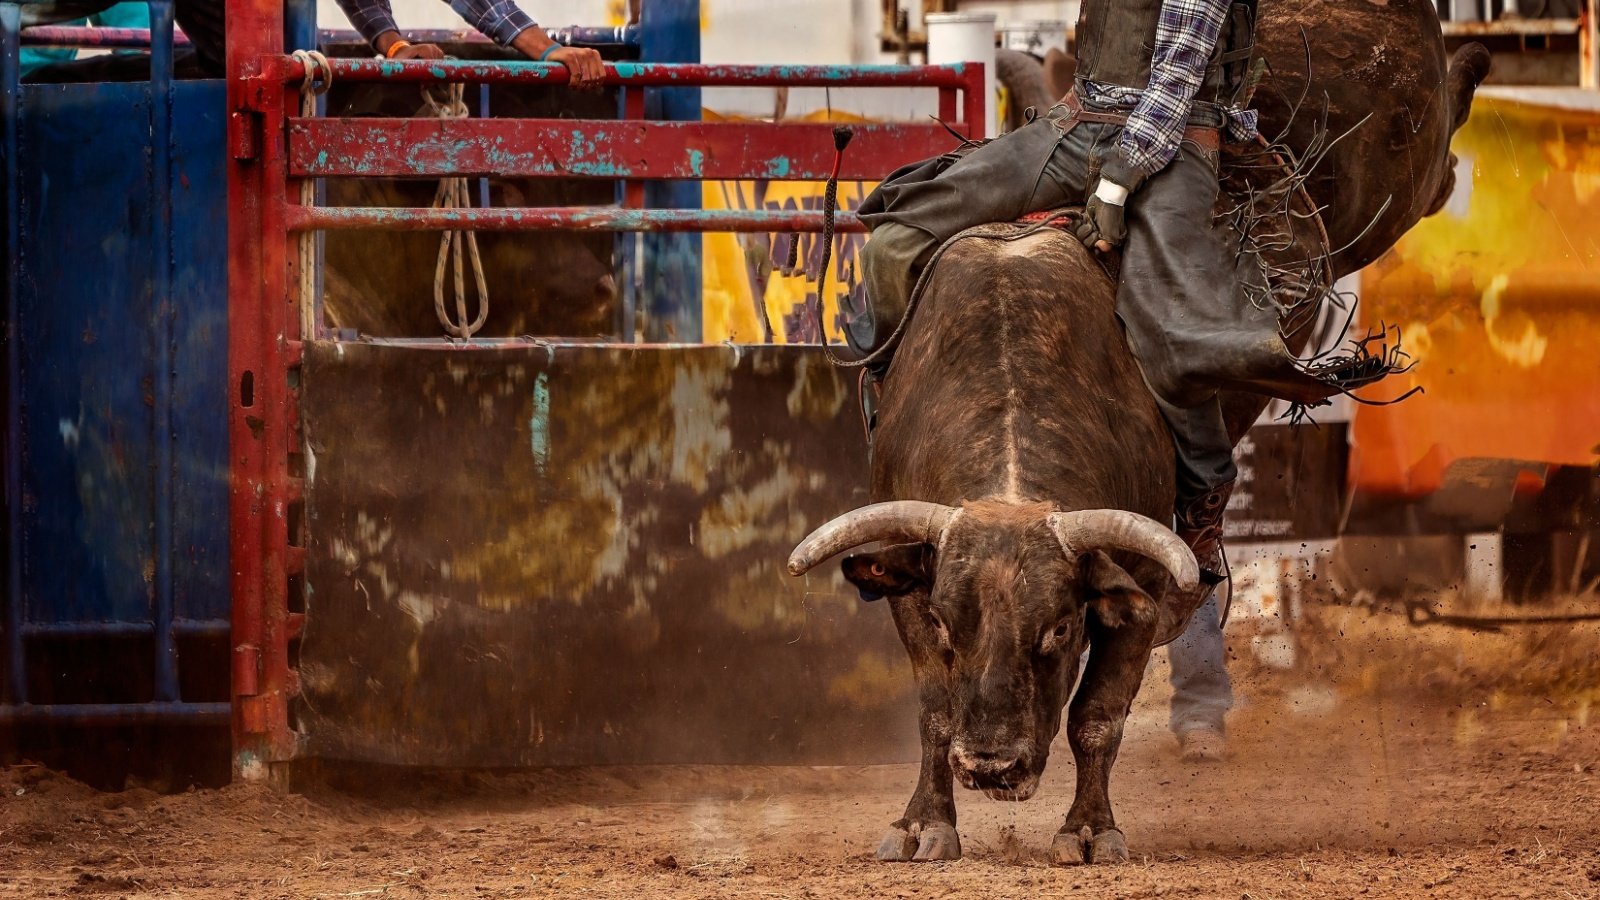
x: 370, y: 18
x: 1186, y: 36
x: 503, y: 22
x: 374, y: 20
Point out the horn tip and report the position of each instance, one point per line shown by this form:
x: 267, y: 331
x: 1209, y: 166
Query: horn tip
x: 1188, y: 577
x: 798, y: 565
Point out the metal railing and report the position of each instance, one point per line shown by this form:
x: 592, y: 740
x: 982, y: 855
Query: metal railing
x: 647, y: 150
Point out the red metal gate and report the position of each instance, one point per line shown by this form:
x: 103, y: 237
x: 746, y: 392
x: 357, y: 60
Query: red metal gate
x: 273, y: 303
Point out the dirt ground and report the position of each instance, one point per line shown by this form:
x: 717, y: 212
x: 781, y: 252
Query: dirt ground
x: 1387, y: 762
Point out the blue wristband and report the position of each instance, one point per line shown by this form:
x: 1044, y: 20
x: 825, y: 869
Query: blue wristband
x: 549, y: 50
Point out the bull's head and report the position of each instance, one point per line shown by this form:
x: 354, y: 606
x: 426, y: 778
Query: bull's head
x: 992, y: 599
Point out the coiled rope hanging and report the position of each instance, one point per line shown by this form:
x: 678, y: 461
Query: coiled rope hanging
x: 318, y: 79
x: 453, y: 193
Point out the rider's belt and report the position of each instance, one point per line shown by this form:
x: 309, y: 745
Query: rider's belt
x: 1070, y: 111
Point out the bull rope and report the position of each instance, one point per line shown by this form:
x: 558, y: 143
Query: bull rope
x: 453, y: 193
x: 318, y: 79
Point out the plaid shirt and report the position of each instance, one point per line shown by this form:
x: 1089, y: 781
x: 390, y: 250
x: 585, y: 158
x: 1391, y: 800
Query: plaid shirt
x: 499, y: 20
x: 1185, y: 37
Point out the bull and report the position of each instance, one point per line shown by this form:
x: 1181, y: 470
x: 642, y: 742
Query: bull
x: 1023, y: 472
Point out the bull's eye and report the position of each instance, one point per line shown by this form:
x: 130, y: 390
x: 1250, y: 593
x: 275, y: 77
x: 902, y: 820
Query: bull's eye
x: 1055, y: 639
x: 877, y: 570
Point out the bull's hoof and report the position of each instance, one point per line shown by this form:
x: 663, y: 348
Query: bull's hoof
x: 920, y: 843
x: 1086, y: 848
x: 1108, y: 846
x: 1069, y: 849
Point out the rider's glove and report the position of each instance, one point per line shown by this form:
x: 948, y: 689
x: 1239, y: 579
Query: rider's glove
x: 1104, y: 224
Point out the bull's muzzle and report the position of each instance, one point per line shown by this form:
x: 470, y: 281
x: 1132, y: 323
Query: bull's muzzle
x: 1003, y: 772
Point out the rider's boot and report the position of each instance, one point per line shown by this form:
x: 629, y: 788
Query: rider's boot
x: 1200, y: 527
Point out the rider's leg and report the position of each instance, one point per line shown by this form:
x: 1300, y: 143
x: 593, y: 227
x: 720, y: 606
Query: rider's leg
x: 1206, y: 473
x: 1202, y: 693
x: 1028, y: 170
x: 1188, y: 320
x: 891, y: 261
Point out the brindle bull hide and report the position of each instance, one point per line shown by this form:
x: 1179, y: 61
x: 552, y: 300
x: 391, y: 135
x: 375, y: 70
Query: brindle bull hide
x: 1379, y: 69
x: 1020, y: 465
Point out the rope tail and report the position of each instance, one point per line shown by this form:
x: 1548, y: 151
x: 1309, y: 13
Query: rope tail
x: 830, y: 204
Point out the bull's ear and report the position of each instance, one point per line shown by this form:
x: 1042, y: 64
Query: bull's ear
x: 891, y: 571
x: 1112, y: 593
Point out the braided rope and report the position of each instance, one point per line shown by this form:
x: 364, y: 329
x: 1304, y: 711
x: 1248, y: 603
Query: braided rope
x: 453, y: 193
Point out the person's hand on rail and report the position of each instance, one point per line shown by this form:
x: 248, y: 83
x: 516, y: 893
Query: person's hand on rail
x: 588, y: 71
x: 393, y: 46
x: 502, y: 21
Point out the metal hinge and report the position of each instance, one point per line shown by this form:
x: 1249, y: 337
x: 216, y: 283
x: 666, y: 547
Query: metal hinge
x: 244, y: 134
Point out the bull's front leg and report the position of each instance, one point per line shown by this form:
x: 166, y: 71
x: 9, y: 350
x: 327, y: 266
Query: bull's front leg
x: 1117, y: 658
x: 927, y: 831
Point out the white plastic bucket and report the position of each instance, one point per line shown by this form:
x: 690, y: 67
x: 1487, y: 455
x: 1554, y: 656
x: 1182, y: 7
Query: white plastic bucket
x: 967, y: 37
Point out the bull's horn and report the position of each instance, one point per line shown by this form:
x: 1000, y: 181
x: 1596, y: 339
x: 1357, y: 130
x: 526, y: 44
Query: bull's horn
x: 896, y: 520
x: 1118, y: 529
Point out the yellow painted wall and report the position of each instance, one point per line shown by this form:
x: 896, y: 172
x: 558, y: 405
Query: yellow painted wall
x: 740, y: 277
x: 1498, y: 297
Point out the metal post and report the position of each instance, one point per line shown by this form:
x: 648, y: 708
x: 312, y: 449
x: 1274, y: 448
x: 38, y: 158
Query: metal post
x: 974, y: 105
x: 630, y: 248
x: 670, y: 32
x: 263, y: 347
x: 299, y: 25
x: 163, y: 306
x: 10, y: 78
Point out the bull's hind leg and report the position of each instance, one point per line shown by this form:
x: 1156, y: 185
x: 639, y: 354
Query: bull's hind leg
x: 1117, y: 660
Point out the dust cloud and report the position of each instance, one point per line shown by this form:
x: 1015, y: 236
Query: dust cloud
x: 1369, y: 758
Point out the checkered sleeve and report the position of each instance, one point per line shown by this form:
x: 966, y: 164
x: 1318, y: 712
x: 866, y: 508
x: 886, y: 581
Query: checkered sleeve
x: 1185, y: 38
x: 370, y: 17
x: 499, y: 20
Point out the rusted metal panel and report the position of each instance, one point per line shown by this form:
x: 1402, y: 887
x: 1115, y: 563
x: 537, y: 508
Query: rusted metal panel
x: 574, y: 554
x: 601, y: 149
x: 557, y: 218
x: 954, y: 75
x: 1288, y: 486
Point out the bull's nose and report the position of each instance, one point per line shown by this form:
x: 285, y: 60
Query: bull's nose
x: 988, y: 765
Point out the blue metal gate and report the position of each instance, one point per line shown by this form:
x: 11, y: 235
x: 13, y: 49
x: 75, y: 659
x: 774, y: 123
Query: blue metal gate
x: 116, y: 454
